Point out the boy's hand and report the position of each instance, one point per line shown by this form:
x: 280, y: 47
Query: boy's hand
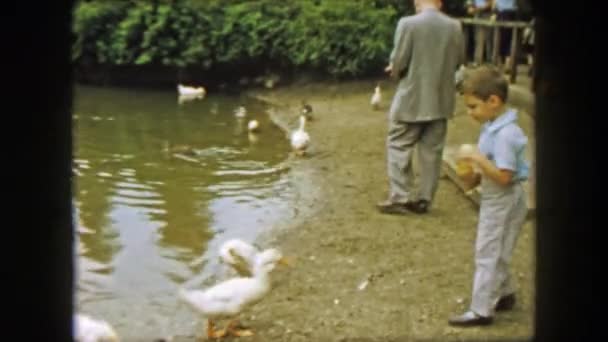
x: 467, y: 157
x: 464, y: 168
x: 467, y: 174
x: 389, y: 70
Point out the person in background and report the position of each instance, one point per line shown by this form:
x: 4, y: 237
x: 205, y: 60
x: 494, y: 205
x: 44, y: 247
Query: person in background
x: 482, y: 9
x: 506, y: 10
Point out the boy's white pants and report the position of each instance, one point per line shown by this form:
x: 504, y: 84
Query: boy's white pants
x: 502, y: 213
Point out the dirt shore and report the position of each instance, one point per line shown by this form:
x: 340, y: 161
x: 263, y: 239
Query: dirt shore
x: 418, y: 268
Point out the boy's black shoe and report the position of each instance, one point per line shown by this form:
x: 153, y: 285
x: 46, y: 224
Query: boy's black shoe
x: 418, y: 207
x: 388, y: 207
x: 505, y: 303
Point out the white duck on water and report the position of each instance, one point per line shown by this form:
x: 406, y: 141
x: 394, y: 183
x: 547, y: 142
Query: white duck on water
x: 240, y: 112
x: 191, y: 91
x: 253, y: 126
x: 186, y: 93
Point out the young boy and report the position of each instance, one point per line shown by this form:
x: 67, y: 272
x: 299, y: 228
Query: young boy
x: 500, y: 158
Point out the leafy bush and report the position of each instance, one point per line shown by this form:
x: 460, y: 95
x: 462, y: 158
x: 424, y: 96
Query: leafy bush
x: 341, y: 38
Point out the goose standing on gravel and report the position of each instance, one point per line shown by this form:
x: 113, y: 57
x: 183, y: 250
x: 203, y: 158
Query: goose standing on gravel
x: 376, y: 98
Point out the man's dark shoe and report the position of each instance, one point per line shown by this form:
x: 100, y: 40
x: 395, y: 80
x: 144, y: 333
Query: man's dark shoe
x: 469, y: 319
x: 505, y: 303
x: 418, y: 207
x: 388, y: 207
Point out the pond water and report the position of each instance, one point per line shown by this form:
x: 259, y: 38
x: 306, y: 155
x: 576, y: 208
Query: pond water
x: 158, y: 184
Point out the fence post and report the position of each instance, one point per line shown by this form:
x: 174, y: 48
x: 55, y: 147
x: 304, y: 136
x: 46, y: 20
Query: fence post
x: 496, y: 47
x: 465, y: 33
x: 514, y: 54
x: 480, y: 41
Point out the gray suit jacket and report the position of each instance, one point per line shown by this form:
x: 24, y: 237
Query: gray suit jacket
x: 428, y: 49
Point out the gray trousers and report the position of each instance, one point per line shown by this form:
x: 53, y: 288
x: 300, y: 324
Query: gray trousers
x: 502, y: 214
x: 483, y: 34
x: 402, y: 139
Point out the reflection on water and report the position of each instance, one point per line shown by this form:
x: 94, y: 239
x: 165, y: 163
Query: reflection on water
x: 159, y: 183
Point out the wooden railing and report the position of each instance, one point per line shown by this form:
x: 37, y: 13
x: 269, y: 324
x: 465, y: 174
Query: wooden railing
x: 517, y: 28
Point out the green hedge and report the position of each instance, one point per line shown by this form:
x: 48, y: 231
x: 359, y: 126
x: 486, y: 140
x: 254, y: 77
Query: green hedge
x: 337, y: 37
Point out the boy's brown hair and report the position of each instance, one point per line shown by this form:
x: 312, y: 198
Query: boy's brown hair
x: 485, y: 81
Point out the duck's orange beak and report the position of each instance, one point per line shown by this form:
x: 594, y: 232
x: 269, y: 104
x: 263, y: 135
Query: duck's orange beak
x: 286, y: 261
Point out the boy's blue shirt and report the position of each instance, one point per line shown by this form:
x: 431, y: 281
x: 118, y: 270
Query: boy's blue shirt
x: 503, y: 142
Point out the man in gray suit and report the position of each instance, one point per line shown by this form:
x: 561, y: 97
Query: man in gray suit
x: 428, y: 49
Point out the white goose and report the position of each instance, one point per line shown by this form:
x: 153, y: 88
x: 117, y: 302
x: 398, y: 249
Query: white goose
x: 183, y: 90
x: 253, y: 126
x: 240, y: 112
x: 186, y: 94
x: 376, y: 98
x: 88, y: 329
x: 229, y: 298
x: 300, y: 138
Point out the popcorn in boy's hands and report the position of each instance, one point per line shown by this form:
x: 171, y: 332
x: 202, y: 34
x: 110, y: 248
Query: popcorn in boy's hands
x: 464, y: 166
x: 466, y: 150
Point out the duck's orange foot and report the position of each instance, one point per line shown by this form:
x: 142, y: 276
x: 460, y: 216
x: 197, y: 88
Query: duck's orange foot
x: 217, y: 334
x: 241, y: 332
x: 212, y: 333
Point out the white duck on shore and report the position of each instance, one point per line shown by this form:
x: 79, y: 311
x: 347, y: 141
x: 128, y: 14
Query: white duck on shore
x: 228, y: 299
x: 87, y: 329
x: 300, y: 139
x: 376, y: 98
